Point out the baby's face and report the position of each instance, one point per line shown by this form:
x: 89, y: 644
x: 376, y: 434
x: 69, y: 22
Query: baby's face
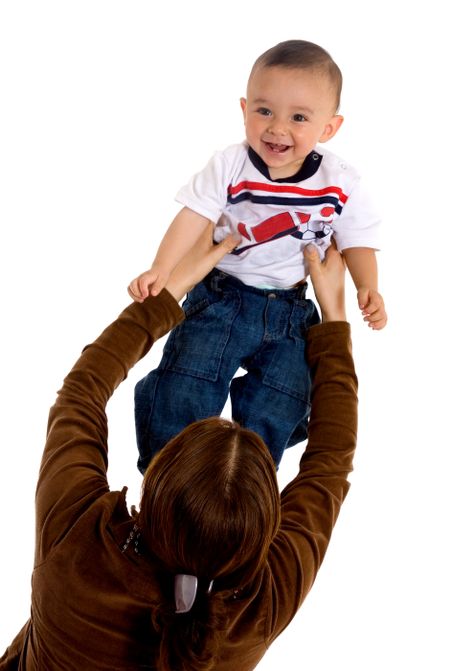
x: 286, y: 113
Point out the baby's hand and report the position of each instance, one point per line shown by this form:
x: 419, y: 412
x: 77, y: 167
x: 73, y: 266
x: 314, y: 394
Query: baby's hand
x: 371, y: 305
x: 155, y: 278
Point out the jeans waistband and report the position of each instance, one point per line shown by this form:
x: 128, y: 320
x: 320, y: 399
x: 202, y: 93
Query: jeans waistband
x: 217, y: 279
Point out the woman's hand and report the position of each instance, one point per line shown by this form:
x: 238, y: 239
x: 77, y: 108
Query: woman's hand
x: 197, y: 263
x: 328, y: 280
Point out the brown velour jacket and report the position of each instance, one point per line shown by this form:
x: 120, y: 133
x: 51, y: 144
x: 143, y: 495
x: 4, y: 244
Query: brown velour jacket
x: 91, y: 603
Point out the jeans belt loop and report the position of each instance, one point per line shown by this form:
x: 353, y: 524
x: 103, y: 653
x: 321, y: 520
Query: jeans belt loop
x: 215, y: 280
x: 302, y: 291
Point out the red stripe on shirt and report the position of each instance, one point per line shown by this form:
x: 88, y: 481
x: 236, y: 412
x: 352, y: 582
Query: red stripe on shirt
x: 287, y: 189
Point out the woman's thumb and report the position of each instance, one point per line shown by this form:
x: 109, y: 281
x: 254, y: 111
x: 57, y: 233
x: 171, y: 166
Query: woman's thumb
x: 230, y: 242
x: 311, y: 254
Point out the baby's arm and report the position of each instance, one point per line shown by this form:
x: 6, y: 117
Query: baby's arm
x: 362, y: 264
x: 182, y: 234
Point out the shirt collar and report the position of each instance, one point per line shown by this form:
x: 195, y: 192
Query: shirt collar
x: 309, y: 167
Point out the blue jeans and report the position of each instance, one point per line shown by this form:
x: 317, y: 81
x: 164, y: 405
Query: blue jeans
x: 230, y: 325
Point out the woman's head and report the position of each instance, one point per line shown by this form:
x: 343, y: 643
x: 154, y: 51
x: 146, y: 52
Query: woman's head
x: 210, y: 507
x: 210, y: 503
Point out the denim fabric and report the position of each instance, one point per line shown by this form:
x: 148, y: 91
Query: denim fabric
x: 230, y: 325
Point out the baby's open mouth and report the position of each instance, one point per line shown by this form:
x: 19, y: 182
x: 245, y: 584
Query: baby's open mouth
x: 277, y: 148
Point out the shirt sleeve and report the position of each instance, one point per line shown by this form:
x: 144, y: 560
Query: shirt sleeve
x: 359, y: 222
x: 206, y: 192
x: 74, y: 463
x: 312, y: 501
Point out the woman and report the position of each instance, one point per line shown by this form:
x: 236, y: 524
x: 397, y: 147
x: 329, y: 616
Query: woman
x: 215, y: 564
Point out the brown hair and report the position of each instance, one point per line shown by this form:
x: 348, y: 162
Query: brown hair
x: 210, y: 507
x: 304, y: 56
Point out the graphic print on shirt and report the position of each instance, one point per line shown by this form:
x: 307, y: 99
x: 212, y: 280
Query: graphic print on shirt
x: 314, y: 221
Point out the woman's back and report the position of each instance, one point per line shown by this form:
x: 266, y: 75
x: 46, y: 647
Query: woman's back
x: 94, y: 598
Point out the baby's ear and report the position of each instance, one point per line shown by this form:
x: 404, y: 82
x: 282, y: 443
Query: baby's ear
x: 331, y: 128
x: 243, y: 102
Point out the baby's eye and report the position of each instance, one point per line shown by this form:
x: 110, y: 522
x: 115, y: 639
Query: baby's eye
x: 299, y: 117
x: 264, y: 111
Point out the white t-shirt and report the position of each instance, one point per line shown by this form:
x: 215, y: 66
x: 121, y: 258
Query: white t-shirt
x: 278, y: 218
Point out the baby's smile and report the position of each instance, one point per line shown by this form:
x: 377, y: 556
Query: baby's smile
x: 277, y: 148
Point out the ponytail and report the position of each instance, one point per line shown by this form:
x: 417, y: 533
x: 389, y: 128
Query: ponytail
x: 191, y: 641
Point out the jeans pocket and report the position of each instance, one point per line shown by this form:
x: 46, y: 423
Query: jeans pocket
x: 288, y: 370
x: 198, y: 343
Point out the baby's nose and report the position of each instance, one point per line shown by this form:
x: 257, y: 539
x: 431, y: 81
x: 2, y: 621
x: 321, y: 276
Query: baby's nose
x: 277, y: 127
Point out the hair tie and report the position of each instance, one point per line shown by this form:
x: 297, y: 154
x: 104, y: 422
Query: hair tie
x: 185, y: 587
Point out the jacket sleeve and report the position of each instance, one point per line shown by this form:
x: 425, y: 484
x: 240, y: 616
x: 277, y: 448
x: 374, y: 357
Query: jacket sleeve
x: 311, y: 502
x: 74, y: 463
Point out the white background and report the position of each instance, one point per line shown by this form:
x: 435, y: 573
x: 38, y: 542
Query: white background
x: 106, y: 109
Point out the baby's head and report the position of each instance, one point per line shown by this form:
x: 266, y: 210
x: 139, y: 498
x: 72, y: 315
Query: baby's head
x: 305, y: 56
x: 293, y: 95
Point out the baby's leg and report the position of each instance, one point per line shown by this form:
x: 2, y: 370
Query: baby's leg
x: 192, y: 380
x: 166, y: 402
x: 273, y: 397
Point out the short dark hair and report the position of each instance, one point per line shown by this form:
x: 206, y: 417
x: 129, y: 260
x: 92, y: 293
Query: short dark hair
x: 303, y: 55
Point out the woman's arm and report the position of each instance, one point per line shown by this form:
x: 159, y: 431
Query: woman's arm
x: 74, y: 463
x: 328, y: 279
x: 311, y: 502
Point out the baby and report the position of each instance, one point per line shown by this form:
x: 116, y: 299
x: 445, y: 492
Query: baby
x: 278, y: 192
